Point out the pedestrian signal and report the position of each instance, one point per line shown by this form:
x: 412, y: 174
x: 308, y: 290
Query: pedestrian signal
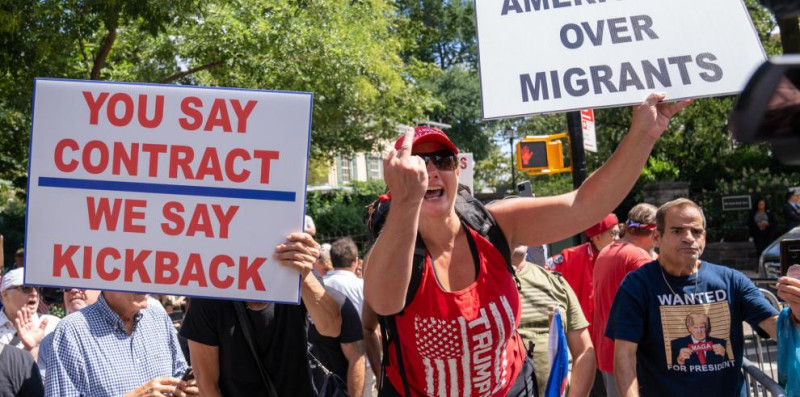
x: 542, y: 154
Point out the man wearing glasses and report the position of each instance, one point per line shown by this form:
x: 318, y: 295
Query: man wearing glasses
x: 20, y: 325
x: 75, y: 299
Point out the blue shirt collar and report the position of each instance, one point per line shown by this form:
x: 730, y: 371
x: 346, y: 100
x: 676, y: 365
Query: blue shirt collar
x: 112, y: 318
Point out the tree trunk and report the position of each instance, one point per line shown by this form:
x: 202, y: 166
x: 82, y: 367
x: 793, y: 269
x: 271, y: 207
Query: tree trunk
x: 102, y: 53
x: 790, y: 35
x: 177, y: 76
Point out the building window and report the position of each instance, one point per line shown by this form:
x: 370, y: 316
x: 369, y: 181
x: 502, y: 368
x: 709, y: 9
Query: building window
x: 347, y: 169
x: 373, y: 168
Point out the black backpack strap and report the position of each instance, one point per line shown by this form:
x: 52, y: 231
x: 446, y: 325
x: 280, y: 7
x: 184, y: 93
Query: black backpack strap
x: 389, y: 337
x: 248, y: 336
x: 417, y: 268
x: 475, y: 214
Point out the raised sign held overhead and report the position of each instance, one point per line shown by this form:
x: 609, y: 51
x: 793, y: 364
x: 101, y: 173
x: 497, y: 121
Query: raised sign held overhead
x: 543, y: 56
x: 165, y: 189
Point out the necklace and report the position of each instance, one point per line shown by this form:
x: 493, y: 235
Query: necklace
x: 664, y: 276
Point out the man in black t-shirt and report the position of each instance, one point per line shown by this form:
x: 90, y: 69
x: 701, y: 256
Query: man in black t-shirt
x: 343, y: 355
x: 222, y: 361
x: 19, y: 375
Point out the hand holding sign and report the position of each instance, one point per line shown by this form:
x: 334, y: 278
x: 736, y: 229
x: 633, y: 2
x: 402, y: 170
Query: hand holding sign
x: 652, y: 116
x: 299, y: 252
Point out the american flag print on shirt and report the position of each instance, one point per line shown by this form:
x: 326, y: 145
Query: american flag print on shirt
x: 466, y: 358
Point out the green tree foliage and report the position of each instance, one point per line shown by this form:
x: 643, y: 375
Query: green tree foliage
x: 439, y: 31
x: 346, y: 53
x: 341, y: 213
x: 458, y: 91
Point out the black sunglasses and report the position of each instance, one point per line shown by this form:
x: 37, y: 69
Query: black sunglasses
x: 25, y: 289
x: 443, y: 160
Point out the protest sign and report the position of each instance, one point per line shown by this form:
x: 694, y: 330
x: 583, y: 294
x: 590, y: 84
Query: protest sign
x: 467, y: 165
x: 165, y: 189
x: 544, y: 56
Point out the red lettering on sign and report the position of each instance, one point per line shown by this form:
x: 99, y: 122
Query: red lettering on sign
x: 158, y: 113
x: 188, y: 106
x: 167, y: 267
x: 134, y: 263
x: 231, y: 173
x: 265, y: 156
x: 154, y: 150
x: 62, y: 259
x: 101, y: 264
x: 248, y: 272
x: 103, y: 211
x: 132, y: 214
x: 218, y: 115
x: 242, y: 114
x: 194, y: 271
x: 587, y: 115
x: 181, y: 157
x: 102, y: 151
x: 166, y: 262
x: 214, y: 271
x: 59, y: 155
x: 127, y: 110
x: 94, y: 105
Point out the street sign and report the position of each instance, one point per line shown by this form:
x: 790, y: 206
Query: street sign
x: 165, y: 189
x: 589, y: 136
x: 542, y: 154
x: 467, y: 165
x: 736, y: 203
x: 545, y: 56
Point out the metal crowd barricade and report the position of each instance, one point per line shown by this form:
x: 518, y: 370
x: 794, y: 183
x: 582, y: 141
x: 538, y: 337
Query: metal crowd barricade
x: 761, y: 356
x: 758, y: 383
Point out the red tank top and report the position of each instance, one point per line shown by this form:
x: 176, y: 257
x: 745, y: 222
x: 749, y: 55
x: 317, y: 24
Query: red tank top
x: 461, y: 343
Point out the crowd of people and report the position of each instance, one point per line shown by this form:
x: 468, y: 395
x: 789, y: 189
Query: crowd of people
x: 449, y: 304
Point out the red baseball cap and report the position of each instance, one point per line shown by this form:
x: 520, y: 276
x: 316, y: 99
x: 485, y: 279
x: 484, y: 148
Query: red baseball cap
x: 607, y: 223
x: 423, y: 134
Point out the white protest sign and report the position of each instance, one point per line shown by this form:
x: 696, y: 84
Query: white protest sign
x: 544, y: 56
x: 467, y: 166
x: 587, y: 126
x: 165, y: 189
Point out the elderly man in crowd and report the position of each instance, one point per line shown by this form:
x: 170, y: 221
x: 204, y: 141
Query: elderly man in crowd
x: 119, y: 346
x: 75, y: 299
x: 20, y: 325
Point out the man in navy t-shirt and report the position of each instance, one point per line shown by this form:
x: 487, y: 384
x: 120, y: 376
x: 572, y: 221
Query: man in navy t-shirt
x: 677, y: 321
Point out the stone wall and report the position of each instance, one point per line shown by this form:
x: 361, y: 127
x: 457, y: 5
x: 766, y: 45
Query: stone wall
x: 738, y: 255
x: 662, y: 192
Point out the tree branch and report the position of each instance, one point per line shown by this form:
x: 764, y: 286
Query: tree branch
x: 183, y: 74
x: 102, y: 54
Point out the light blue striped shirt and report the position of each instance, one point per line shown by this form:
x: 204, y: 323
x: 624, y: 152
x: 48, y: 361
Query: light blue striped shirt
x: 92, y: 355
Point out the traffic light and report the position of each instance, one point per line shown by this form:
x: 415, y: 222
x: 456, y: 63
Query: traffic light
x: 542, y: 154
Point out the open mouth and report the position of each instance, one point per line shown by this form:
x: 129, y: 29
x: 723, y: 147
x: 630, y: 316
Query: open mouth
x: 434, y: 192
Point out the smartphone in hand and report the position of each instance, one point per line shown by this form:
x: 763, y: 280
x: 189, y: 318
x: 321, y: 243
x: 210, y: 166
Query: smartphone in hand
x: 188, y: 375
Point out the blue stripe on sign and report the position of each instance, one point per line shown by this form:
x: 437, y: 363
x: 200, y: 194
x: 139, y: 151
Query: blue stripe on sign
x: 157, y: 188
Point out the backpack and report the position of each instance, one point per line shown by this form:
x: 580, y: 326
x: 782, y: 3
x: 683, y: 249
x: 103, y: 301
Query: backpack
x: 475, y: 215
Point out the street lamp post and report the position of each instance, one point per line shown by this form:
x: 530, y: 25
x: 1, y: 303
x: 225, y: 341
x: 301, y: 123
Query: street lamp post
x: 511, y: 133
